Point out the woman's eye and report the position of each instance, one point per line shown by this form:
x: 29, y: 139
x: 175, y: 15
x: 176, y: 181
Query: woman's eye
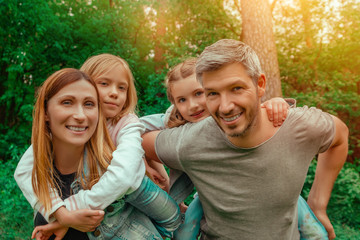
x: 66, y: 102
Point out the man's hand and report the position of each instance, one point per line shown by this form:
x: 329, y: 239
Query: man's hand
x: 84, y: 220
x: 325, y: 221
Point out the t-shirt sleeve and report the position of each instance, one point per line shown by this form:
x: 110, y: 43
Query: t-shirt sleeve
x: 317, y: 127
x: 168, y: 145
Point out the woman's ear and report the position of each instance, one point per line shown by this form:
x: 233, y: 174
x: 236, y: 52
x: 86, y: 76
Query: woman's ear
x: 47, y: 119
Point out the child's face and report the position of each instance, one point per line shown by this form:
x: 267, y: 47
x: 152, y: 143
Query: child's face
x: 112, y: 86
x: 189, y: 98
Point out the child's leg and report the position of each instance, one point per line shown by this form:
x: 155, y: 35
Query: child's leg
x: 190, y: 228
x: 309, y: 226
x: 158, y: 205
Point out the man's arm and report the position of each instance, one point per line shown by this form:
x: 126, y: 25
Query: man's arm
x: 148, y: 144
x: 329, y: 165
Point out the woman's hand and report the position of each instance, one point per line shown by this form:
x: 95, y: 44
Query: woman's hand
x: 44, y: 232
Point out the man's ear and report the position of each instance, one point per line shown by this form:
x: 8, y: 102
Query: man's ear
x: 261, y: 84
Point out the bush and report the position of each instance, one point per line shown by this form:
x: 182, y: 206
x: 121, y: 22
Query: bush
x: 16, y: 214
x: 344, y: 204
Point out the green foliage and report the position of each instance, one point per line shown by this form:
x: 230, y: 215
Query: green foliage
x: 344, y: 204
x: 39, y: 37
x: 15, y: 214
x: 344, y: 232
x: 153, y: 98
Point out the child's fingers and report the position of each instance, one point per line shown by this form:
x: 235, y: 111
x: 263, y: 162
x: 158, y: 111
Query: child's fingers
x: 275, y: 113
x: 269, y: 110
x: 285, y: 111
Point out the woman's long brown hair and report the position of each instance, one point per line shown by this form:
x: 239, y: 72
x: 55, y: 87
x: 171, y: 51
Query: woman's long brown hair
x: 99, y: 147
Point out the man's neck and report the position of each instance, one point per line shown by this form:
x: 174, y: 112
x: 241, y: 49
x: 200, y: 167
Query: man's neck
x: 262, y: 130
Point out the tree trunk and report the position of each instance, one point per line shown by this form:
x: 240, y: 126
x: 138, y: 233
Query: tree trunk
x: 257, y: 32
x: 306, y: 17
x: 159, y: 50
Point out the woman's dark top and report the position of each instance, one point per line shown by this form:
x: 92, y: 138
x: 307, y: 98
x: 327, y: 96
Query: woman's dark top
x: 64, y: 182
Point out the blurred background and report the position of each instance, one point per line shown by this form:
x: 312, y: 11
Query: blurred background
x: 309, y: 50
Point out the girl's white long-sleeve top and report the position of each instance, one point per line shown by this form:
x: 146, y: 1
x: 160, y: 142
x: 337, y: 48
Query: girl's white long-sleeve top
x: 123, y: 176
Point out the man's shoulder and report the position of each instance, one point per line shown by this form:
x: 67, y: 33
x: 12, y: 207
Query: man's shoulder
x: 306, y: 113
x: 188, y: 131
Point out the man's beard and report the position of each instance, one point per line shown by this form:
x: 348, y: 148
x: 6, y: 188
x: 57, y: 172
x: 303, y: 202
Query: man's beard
x: 252, y: 120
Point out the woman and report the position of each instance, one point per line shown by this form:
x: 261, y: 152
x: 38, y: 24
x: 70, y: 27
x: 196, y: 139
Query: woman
x: 72, y: 149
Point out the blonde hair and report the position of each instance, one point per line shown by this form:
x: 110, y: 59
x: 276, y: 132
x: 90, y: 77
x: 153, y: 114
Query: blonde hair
x: 177, y: 73
x: 99, y: 64
x: 99, y: 147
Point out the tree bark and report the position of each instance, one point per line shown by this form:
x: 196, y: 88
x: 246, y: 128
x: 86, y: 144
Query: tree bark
x: 159, y: 50
x: 257, y: 32
x: 306, y: 17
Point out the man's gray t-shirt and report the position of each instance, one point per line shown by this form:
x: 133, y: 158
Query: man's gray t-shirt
x: 248, y: 193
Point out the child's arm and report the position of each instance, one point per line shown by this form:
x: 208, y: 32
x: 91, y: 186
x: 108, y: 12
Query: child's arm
x: 22, y: 176
x: 123, y: 176
x: 160, y: 178
x: 277, y: 109
x: 84, y: 220
x: 159, y: 168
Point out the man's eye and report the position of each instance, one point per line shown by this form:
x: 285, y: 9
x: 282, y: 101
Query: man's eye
x: 199, y: 93
x: 237, y: 88
x: 211, y: 94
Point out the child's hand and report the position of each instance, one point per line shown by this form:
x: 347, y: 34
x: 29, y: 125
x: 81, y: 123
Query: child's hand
x: 157, y: 178
x: 183, y: 207
x: 44, y: 232
x: 276, y: 109
x: 84, y: 220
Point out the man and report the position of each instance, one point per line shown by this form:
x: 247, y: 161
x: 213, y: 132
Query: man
x: 248, y: 173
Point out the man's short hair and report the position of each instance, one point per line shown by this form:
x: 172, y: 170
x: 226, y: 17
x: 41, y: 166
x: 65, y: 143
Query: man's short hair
x: 227, y: 51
